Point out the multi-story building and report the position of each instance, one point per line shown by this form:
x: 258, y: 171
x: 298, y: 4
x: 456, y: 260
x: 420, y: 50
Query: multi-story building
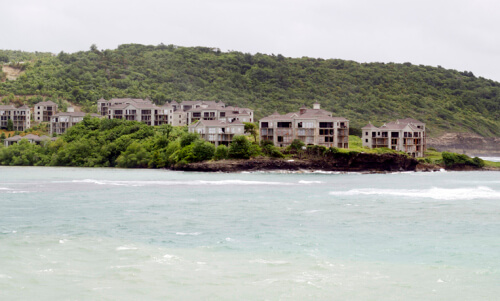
x: 21, y: 117
x: 312, y: 126
x: 210, y: 110
x: 217, y: 131
x: 44, y: 110
x: 103, y: 105
x: 407, y: 135
x: 172, y: 113
x: 62, y: 121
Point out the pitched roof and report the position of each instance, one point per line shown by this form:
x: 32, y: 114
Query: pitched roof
x: 46, y: 103
x: 76, y: 114
x: 369, y: 126
x: 14, y: 138
x: 217, y: 123
x: 409, y: 120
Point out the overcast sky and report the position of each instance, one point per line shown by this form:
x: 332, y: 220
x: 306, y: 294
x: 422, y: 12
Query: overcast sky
x: 459, y: 34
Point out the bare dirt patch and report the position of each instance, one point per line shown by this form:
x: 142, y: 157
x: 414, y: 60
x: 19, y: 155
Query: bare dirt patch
x: 11, y: 73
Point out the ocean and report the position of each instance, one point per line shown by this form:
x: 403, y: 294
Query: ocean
x: 123, y: 234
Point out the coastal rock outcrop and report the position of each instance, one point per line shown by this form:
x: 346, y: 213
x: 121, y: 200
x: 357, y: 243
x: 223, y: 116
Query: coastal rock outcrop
x: 351, y: 162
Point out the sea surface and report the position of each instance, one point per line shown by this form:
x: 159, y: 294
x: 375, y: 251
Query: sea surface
x: 115, y: 234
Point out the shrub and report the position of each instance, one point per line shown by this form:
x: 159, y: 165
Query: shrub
x: 221, y: 152
x: 270, y: 150
x: 134, y: 156
x: 450, y: 159
x: 478, y: 162
x: 296, y: 145
x: 188, y: 138
x: 240, y: 148
x: 202, y: 150
x: 317, y: 150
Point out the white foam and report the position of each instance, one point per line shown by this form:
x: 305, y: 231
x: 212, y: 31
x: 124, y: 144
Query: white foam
x: 480, y: 192
x: 492, y: 159
x: 124, y: 248
x: 192, y: 233
x: 178, y: 183
x: 2, y: 276
x: 311, y: 182
x: 171, y: 257
x: 273, y: 262
x: 5, y: 188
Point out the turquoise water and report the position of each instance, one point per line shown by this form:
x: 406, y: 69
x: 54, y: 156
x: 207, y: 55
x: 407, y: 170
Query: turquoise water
x: 113, y: 234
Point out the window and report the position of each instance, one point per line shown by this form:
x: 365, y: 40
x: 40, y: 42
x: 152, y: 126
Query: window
x: 264, y: 125
x: 326, y: 124
x: 366, y: 140
x: 366, y: 133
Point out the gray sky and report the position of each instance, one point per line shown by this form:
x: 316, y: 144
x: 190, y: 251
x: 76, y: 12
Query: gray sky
x: 457, y: 34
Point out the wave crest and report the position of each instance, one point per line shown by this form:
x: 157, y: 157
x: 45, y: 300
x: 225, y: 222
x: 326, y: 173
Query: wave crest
x: 480, y: 192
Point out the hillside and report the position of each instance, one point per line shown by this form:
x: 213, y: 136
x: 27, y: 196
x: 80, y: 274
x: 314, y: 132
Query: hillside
x: 447, y: 100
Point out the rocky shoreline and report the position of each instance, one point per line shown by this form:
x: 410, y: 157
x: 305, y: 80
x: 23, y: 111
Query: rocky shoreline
x: 370, y: 163
x: 361, y: 162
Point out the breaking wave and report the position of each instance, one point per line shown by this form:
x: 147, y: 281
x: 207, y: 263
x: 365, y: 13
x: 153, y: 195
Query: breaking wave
x: 480, y: 192
x: 311, y: 182
x: 174, y: 183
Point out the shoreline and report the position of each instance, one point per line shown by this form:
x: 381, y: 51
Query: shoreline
x: 362, y: 163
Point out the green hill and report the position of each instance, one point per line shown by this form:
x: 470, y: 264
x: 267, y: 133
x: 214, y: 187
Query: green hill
x: 447, y: 100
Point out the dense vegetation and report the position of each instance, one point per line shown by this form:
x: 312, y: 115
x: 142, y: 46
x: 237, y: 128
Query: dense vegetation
x: 447, y: 100
x: 118, y: 143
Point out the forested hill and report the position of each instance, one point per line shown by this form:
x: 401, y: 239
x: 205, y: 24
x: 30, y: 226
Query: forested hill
x: 447, y: 100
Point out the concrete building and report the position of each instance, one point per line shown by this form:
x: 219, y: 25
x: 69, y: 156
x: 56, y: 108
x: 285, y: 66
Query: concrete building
x: 171, y: 113
x: 44, y: 110
x: 103, y: 105
x: 62, y: 121
x: 211, y: 110
x: 312, y: 126
x: 407, y: 135
x: 217, y: 131
x: 21, y: 117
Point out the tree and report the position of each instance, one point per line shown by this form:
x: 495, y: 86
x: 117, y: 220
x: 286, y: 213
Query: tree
x: 240, y: 148
x: 221, y: 152
x: 10, y: 125
x: 252, y: 129
x: 135, y: 156
x: 297, y: 145
x: 203, y: 150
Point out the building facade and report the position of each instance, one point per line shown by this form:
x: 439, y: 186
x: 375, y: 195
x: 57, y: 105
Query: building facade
x: 173, y: 113
x: 21, y: 117
x: 407, y: 135
x: 211, y: 110
x: 44, y: 110
x: 216, y: 131
x: 312, y: 126
x: 62, y: 121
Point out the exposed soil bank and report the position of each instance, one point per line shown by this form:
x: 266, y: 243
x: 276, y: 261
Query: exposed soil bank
x: 468, y: 143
